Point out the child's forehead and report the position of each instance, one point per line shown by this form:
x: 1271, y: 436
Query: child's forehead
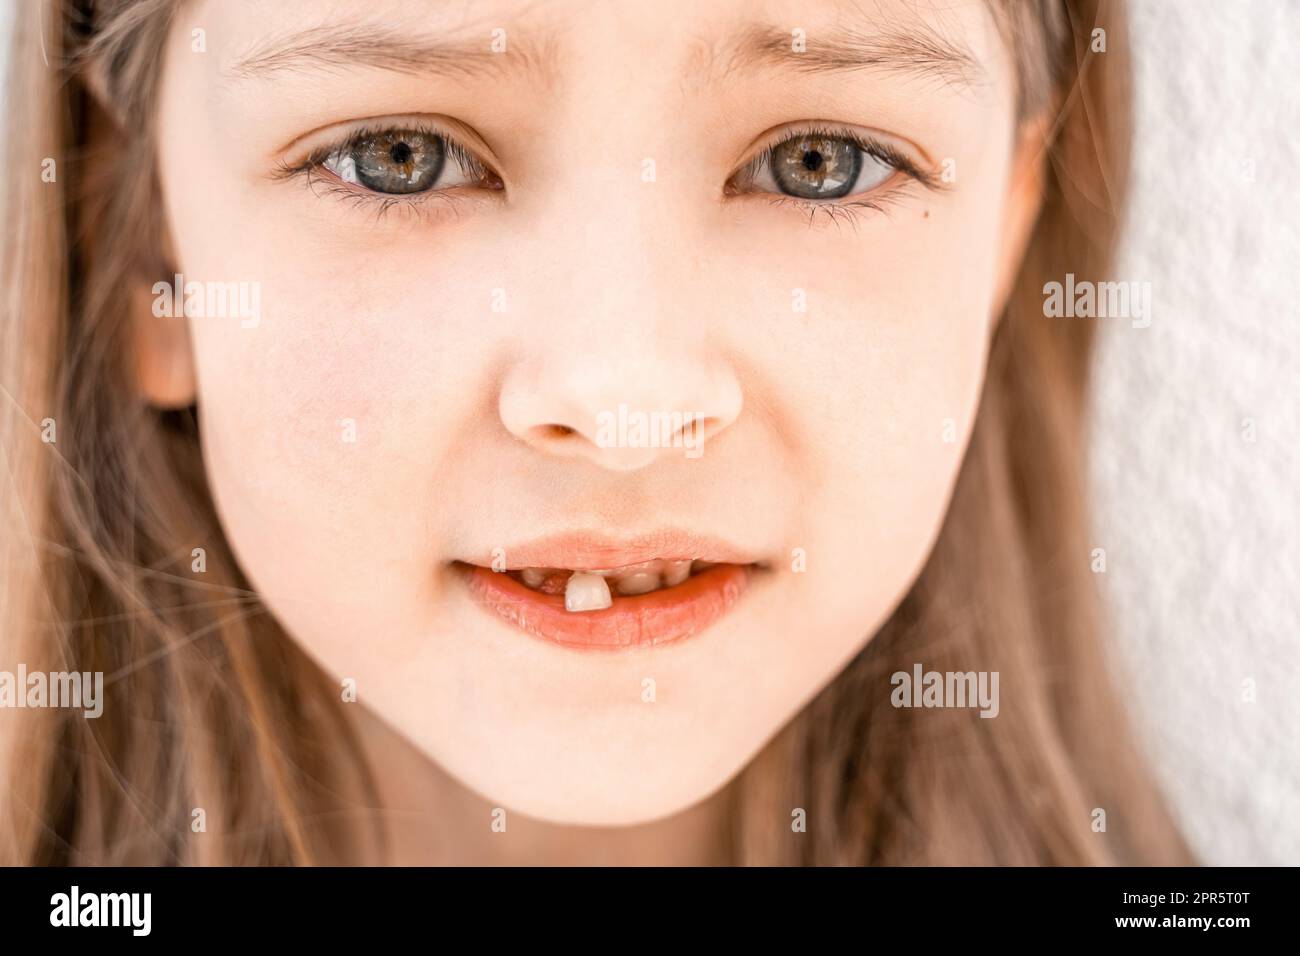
x: 943, y: 42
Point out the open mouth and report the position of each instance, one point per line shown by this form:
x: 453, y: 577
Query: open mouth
x: 641, y: 603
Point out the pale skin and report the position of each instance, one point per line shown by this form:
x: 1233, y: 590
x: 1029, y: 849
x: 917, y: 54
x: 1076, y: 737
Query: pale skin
x: 826, y: 425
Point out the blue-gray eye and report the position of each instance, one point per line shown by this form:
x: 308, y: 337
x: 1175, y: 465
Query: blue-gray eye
x: 395, y: 162
x: 818, y: 166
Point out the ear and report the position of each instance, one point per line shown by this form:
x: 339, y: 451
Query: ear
x: 1023, y: 204
x: 162, y: 351
x: 161, y: 356
x: 94, y: 77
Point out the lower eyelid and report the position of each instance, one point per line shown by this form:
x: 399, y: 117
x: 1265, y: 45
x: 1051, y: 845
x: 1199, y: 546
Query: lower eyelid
x: 429, y: 204
x: 852, y: 209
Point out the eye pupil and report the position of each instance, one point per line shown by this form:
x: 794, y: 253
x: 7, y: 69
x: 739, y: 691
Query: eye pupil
x: 812, y: 160
x: 400, y: 153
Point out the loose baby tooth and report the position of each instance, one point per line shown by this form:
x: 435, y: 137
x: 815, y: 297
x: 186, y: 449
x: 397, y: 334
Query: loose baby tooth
x: 586, y: 592
x: 675, y: 572
x: 638, y: 582
x: 534, y: 577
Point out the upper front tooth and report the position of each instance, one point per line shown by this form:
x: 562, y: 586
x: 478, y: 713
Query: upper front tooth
x: 675, y: 572
x: 586, y: 592
x: 534, y: 577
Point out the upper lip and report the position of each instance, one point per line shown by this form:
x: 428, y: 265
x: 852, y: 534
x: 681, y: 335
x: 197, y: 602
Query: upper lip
x: 594, y: 551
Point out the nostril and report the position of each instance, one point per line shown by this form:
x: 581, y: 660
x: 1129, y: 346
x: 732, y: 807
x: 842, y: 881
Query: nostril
x: 555, y: 438
x: 553, y: 435
x: 704, y: 425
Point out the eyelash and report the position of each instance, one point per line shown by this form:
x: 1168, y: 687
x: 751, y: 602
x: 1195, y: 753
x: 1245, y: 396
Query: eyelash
x: 312, y: 170
x: 848, y: 208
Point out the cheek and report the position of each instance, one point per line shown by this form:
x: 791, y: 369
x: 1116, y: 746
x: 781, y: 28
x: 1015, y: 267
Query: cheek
x: 883, y: 373
x: 894, y: 428
x: 325, y: 425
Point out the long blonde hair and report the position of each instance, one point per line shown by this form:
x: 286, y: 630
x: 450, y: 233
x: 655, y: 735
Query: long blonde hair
x: 211, y: 707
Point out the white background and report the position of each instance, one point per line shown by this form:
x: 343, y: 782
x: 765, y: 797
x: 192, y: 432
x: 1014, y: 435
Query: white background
x: 1201, y: 526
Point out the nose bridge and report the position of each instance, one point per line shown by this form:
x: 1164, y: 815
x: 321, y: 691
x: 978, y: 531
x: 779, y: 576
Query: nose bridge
x: 618, y: 334
x: 609, y: 270
x: 614, y: 224
x: 623, y: 291
x: 617, y: 325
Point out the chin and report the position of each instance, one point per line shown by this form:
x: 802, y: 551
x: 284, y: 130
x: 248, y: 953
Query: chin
x: 630, y: 788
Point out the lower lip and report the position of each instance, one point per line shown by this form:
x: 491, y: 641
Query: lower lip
x: 643, y: 620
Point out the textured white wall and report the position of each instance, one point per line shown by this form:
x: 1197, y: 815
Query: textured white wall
x: 1199, y: 524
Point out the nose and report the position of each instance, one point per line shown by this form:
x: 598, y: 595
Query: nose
x: 623, y: 373
x: 619, y: 401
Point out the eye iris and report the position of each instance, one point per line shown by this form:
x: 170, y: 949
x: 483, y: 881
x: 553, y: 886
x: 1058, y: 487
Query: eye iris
x: 399, y: 162
x: 816, y: 167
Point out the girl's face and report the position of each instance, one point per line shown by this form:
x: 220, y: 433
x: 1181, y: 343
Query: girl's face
x: 542, y: 288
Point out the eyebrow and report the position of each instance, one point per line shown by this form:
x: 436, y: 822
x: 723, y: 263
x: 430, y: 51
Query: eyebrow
x: 918, y: 51
x: 341, y: 46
